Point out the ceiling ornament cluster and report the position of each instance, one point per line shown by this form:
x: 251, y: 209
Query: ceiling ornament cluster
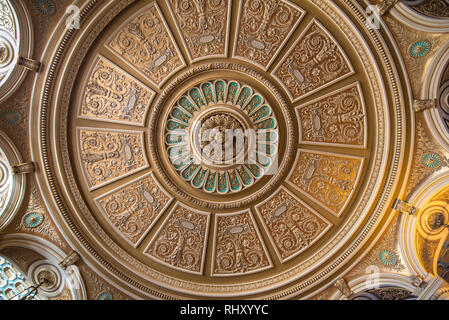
x: 201, y: 130
x: 145, y: 85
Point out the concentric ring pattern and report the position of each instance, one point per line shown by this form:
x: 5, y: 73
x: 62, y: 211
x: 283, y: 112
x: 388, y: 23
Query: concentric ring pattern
x: 158, y: 90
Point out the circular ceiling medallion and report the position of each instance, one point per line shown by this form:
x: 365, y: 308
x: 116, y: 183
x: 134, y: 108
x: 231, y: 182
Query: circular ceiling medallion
x: 221, y: 136
x: 239, y: 155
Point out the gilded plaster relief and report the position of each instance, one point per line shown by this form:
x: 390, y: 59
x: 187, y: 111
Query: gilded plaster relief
x: 428, y: 158
x: 315, y: 61
x: 165, y: 218
x: 291, y: 224
x: 336, y: 119
x: 204, y: 25
x: 36, y: 220
x: 264, y: 27
x: 238, y: 246
x: 134, y: 208
x: 113, y: 95
x: 107, y: 155
x: 146, y: 44
x: 181, y: 242
x: 417, y: 49
x: 385, y: 255
x: 329, y: 179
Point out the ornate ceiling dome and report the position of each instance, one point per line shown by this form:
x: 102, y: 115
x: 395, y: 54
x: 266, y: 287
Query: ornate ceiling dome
x: 141, y: 96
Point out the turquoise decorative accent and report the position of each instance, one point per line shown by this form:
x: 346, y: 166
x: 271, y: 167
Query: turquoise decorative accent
x: 185, y: 103
x: 245, y: 93
x: 180, y: 115
x: 196, y: 96
x: 208, y: 93
x: 211, y: 182
x: 200, y: 178
x: 204, y: 107
x: 387, y: 257
x: 33, y: 219
x: 234, y: 181
x: 255, y: 170
x: 104, y: 296
x: 233, y: 87
x: 11, y: 117
x: 431, y: 160
x: 173, y: 125
x: 267, y: 124
x: 261, y: 114
x: 245, y: 176
x: 420, y: 48
x: 222, y: 185
x: 46, y: 7
x: 255, y: 102
x: 190, y: 171
x: 220, y: 88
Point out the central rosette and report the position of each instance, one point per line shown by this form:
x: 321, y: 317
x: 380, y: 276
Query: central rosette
x: 222, y: 136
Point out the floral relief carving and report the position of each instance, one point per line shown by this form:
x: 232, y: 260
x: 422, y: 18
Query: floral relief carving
x: 203, y: 25
x: 327, y: 178
x: 238, y: 246
x: 264, y: 27
x: 181, y: 241
x: 314, y: 62
x: 45, y: 227
x: 134, y: 208
x: 293, y: 227
x: 407, y: 36
x: 420, y: 170
x: 113, y: 95
x: 106, y: 156
x: 336, y: 119
x: 387, y: 243
x: 147, y: 45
